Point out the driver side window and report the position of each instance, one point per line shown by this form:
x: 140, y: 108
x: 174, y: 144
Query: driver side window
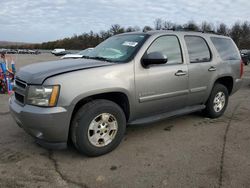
x: 169, y: 47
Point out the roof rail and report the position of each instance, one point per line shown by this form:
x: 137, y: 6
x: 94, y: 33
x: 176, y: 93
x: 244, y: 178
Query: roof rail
x: 191, y: 30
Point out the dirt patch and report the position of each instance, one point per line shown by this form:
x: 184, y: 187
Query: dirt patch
x: 10, y: 156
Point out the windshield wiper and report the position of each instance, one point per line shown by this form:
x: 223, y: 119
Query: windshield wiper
x: 101, y: 58
x: 85, y: 57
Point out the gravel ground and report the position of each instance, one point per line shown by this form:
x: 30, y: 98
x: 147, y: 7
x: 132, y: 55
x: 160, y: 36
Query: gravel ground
x: 188, y: 151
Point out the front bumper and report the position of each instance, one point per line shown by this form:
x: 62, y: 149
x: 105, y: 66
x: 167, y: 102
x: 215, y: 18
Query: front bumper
x: 49, y: 126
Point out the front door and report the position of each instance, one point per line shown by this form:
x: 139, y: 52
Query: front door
x: 162, y: 87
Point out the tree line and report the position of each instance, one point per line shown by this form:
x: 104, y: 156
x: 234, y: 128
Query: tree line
x: 239, y: 32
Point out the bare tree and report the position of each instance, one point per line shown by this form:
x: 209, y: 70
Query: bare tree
x: 116, y: 29
x: 133, y: 29
x: 158, y: 23
x: 222, y: 29
x: 147, y: 28
x: 105, y: 34
x: 239, y: 32
x: 191, y: 25
x: 244, y: 35
x: 205, y: 26
x: 235, y: 33
x: 168, y: 25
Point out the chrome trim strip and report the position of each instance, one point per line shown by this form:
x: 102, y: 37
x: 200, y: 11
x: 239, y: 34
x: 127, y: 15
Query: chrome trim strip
x: 23, y: 83
x: 198, y: 89
x: 163, y: 95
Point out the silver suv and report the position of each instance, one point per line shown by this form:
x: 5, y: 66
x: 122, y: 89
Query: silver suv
x: 131, y: 78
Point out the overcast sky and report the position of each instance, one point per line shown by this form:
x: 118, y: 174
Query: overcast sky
x: 46, y: 20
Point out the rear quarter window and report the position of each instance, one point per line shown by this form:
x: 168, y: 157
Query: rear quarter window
x: 198, y: 49
x: 226, y: 48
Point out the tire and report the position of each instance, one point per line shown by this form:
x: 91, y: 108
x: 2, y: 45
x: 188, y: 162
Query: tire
x: 99, y: 115
x: 215, y: 107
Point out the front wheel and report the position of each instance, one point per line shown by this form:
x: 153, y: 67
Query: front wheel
x: 217, y: 102
x: 98, y: 127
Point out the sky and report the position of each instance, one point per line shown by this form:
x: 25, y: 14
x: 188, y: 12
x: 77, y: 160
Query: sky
x: 47, y: 20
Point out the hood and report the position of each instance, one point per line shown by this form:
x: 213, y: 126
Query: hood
x: 36, y: 73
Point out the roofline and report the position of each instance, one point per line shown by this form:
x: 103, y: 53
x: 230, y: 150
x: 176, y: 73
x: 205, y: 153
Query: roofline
x: 156, y: 32
x: 152, y: 32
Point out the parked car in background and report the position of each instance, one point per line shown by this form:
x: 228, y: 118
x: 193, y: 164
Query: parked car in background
x: 27, y: 51
x: 77, y: 55
x: 3, y: 50
x: 19, y: 51
x: 59, y: 51
x: 245, y: 55
x: 33, y: 52
x: 11, y: 51
x: 8, y: 51
x: 22, y: 51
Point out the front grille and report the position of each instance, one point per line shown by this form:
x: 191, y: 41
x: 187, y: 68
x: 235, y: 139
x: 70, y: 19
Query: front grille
x: 20, y: 90
x: 19, y: 98
x: 20, y: 84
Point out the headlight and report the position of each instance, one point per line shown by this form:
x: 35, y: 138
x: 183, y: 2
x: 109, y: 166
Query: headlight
x: 43, y: 95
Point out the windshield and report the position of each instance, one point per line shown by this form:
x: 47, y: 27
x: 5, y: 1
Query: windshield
x: 120, y: 48
x: 85, y: 52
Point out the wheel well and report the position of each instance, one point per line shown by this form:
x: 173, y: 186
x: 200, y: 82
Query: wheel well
x: 117, y: 97
x: 226, y: 81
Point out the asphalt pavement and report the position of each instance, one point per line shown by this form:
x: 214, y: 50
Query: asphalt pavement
x: 187, y: 151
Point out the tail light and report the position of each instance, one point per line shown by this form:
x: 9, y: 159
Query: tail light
x: 241, y: 68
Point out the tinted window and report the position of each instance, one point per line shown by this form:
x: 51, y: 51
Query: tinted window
x: 197, y: 49
x: 169, y: 47
x: 226, y: 48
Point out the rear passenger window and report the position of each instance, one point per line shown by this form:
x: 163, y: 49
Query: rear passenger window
x: 168, y: 46
x: 226, y: 48
x: 197, y: 49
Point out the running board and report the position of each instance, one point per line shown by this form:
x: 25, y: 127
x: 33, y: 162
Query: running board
x: 158, y: 117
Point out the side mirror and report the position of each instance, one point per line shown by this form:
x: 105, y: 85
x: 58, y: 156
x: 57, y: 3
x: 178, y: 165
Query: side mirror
x: 154, y: 58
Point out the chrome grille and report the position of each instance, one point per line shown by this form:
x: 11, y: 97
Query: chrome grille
x: 20, y: 84
x: 20, y: 88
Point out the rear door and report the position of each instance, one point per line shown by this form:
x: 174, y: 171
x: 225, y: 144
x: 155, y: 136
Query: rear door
x: 202, y: 69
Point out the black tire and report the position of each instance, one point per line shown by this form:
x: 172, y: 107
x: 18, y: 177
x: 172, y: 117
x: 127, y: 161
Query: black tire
x: 209, y: 111
x: 83, y: 118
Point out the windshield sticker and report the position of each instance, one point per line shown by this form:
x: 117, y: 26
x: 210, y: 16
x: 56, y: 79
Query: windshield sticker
x: 128, y: 43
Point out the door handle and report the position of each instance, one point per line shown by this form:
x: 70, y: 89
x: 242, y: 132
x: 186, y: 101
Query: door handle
x: 180, y: 73
x: 212, y: 68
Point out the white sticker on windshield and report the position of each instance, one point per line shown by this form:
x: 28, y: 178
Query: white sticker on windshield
x: 130, y: 43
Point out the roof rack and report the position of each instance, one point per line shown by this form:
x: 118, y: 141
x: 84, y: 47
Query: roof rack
x: 192, y: 30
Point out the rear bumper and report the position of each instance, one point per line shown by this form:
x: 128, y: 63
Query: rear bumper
x: 49, y: 126
x: 52, y: 145
x: 237, y: 85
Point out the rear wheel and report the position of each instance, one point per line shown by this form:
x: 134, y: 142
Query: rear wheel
x: 217, y: 102
x: 98, y: 127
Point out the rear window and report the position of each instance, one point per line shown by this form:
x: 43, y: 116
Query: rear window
x: 226, y: 48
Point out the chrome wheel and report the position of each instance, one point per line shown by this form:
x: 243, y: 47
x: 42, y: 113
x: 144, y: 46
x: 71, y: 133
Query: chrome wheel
x: 219, y: 101
x: 102, y: 130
